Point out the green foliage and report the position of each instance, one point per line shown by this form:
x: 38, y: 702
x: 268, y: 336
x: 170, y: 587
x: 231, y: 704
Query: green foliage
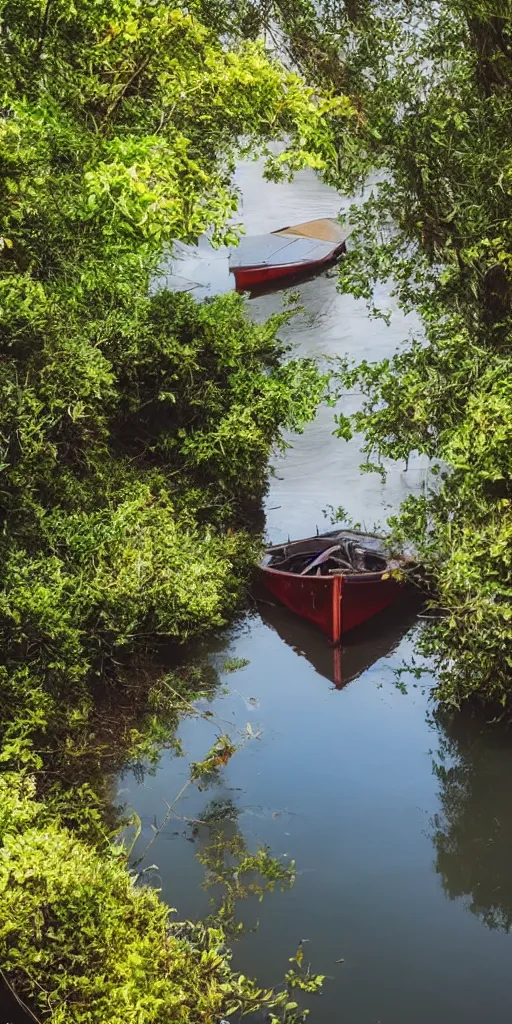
x: 221, y: 752
x: 133, y: 114
x: 235, y: 664
x: 84, y: 941
x: 133, y: 427
x: 300, y: 977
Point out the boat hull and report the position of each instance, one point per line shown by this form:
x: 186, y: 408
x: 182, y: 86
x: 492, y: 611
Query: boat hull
x: 247, y: 278
x: 335, y: 604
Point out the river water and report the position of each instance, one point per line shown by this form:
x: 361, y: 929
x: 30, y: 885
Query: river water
x: 400, y: 824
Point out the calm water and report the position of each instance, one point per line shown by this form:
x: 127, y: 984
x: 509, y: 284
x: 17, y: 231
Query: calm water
x: 400, y: 825
x: 403, y: 873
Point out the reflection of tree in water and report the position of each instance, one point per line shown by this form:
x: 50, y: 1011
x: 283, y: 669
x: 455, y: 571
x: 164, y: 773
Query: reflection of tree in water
x: 473, y: 834
x: 233, y: 872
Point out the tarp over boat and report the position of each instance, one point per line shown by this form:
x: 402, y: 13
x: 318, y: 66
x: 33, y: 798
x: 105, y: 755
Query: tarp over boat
x: 298, y: 245
x: 326, y: 230
x: 278, y: 250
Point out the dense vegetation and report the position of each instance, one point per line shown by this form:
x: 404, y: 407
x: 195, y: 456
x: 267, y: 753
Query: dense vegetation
x: 135, y: 426
x: 135, y: 430
x: 433, y: 87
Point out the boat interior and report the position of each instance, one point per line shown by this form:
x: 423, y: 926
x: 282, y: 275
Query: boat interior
x: 343, y: 552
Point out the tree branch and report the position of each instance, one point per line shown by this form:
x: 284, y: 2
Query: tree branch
x: 138, y: 71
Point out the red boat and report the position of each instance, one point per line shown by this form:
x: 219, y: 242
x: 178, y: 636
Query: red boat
x: 336, y: 580
x: 293, y: 250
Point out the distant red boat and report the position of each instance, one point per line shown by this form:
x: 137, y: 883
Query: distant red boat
x: 337, y: 580
x: 284, y: 253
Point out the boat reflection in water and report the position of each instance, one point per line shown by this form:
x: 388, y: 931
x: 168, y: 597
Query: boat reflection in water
x: 342, y: 663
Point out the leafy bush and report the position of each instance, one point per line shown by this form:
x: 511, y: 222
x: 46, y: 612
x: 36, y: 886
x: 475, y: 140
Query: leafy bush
x: 85, y: 942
